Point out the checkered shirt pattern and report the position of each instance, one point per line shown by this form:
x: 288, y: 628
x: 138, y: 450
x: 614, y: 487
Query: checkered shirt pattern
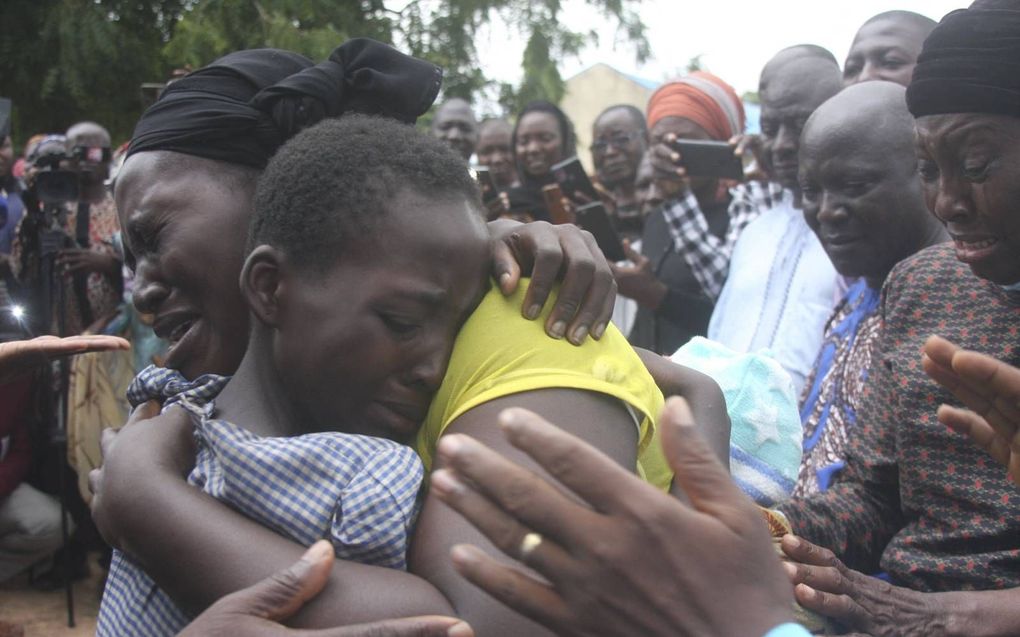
x: 707, y: 255
x: 359, y: 492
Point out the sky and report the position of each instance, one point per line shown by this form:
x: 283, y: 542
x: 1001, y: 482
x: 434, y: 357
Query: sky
x: 734, y: 37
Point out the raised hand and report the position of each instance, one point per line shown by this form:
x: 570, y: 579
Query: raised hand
x: 991, y: 391
x: 614, y: 562
x: 21, y: 357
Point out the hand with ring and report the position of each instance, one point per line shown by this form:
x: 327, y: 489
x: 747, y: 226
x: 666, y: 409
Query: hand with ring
x: 627, y: 559
x: 529, y: 543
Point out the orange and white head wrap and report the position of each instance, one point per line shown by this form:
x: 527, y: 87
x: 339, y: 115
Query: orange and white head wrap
x: 702, y: 98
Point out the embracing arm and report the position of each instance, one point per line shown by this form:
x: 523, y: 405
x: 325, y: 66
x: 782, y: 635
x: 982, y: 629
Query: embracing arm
x: 600, y: 420
x: 199, y: 550
x: 550, y: 253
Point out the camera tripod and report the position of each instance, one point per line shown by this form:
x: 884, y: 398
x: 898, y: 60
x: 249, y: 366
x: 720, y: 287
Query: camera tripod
x: 50, y: 303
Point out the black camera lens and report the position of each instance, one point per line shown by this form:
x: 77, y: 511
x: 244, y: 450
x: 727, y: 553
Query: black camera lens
x: 56, y: 186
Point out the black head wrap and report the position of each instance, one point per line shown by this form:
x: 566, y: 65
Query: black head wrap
x: 245, y: 105
x: 970, y: 63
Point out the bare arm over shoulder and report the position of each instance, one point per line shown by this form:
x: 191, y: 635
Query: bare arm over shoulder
x: 708, y: 406
x: 602, y: 421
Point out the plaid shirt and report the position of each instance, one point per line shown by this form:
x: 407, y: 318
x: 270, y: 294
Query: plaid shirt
x: 707, y: 255
x: 359, y: 492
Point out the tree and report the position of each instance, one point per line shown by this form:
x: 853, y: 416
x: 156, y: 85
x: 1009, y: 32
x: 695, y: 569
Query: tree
x: 208, y: 29
x: 64, y: 60
x: 446, y: 34
x: 67, y: 60
x: 442, y: 31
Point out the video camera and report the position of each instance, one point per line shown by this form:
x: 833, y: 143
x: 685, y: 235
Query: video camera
x: 58, y: 171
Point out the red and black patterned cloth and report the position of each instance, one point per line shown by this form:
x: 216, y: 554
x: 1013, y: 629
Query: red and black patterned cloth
x: 917, y: 500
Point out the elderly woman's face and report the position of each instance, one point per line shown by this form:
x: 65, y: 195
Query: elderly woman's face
x: 970, y: 171
x: 185, y: 222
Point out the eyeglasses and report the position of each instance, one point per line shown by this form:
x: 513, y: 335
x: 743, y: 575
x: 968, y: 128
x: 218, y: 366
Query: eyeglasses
x: 617, y: 140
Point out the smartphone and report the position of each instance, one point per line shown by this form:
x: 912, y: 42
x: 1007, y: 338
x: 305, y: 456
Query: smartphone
x: 709, y: 159
x: 485, y: 183
x: 572, y: 179
x: 594, y: 218
x: 553, y: 198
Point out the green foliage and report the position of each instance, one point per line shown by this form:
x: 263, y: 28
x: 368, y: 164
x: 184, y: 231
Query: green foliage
x: 66, y: 60
x: 209, y: 29
x: 445, y: 31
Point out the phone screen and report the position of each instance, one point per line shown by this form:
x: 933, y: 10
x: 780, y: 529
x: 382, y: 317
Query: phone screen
x: 594, y: 218
x: 702, y: 158
x: 485, y: 183
x: 572, y: 179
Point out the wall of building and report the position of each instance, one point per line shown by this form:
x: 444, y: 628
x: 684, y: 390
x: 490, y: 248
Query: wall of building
x: 590, y: 92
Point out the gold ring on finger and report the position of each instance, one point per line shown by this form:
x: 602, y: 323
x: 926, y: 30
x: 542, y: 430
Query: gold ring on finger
x: 529, y: 543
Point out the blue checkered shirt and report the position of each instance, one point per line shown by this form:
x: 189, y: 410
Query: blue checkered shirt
x: 707, y: 255
x: 359, y: 492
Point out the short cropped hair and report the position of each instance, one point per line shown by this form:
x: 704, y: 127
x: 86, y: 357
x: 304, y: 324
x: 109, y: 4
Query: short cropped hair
x: 810, y: 51
x: 331, y: 184
x: 634, y: 112
x: 923, y: 22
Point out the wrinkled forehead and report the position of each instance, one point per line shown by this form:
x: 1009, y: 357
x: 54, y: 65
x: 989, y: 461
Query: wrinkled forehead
x: 154, y: 180
x: 794, y: 101
x: 617, y: 119
x: 956, y: 131
x: 429, y: 232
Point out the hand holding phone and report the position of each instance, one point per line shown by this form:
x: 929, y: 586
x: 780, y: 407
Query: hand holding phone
x: 674, y: 160
x: 485, y: 184
x: 574, y: 182
x: 594, y: 218
x: 559, y: 213
x: 706, y: 158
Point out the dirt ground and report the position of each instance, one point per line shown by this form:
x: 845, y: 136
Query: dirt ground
x: 45, y: 613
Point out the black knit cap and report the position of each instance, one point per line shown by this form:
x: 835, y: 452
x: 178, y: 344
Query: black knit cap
x: 970, y: 63
x: 245, y: 105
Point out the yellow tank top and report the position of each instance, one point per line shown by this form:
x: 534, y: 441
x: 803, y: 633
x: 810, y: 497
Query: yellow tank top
x: 499, y: 353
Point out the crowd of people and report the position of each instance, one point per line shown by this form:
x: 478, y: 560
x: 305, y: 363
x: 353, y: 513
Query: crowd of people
x: 319, y: 368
